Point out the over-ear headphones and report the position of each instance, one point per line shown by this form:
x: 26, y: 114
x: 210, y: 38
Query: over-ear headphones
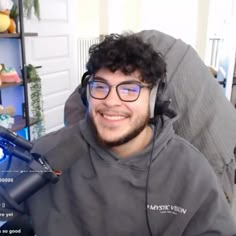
x: 158, y: 106
x: 156, y: 98
x: 83, y: 87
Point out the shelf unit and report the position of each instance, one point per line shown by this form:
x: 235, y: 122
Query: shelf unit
x: 24, y: 120
x: 8, y: 85
x: 17, y: 35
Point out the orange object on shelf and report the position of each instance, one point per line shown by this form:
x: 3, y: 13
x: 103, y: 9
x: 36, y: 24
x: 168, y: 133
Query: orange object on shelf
x: 12, y: 28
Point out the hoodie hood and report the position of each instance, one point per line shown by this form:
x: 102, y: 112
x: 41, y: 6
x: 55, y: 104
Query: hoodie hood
x: 139, y: 160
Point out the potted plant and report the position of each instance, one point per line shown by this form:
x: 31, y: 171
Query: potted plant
x: 13, y: 16
x: 29, y: 6
x: 36, y: 101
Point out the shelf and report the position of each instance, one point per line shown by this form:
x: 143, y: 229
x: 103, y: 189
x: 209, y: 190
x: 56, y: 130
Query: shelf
x: 17, y: 35
x: 20, y: 123
x: 20, y: 38
x: 8, y: 85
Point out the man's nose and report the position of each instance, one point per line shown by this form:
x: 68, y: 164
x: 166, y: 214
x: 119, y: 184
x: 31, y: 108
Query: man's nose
x: 113, y: 98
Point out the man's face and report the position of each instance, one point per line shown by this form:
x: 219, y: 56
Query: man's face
x: 116, y: 121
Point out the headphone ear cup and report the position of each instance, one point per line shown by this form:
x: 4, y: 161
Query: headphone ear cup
x: 83, y: 88
x: 161, y: 87
x: 159, y: 107
x: 152, y: 101
x: 156, y: 98
x: 162, y: 105
x: 158, y: 110
x: 83, y: 95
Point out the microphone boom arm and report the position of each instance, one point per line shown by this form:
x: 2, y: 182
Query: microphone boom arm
x: 29, y: 181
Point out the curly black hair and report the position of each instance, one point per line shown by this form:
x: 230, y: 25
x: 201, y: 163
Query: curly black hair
x: 127, y: 53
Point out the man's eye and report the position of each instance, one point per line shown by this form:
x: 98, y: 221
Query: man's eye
x: 129, y: 89
x: 133, y: 89
x: 99, y: 87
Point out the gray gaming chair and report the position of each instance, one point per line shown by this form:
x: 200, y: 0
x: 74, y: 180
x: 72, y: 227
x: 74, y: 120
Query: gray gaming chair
x: 206, y: 118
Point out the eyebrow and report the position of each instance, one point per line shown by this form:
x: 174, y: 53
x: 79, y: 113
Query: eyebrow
x: 100, y: 79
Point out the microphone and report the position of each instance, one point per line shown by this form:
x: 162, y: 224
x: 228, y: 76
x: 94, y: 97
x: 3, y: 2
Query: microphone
x: 32, y: 180
x: 44, y: 169
x: 9, y: 149
x: 14, y: 138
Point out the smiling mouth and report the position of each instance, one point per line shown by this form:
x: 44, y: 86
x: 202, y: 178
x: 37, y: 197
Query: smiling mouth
x: 113, y: 117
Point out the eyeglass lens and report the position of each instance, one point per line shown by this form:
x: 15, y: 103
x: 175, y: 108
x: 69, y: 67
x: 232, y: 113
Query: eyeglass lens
x: 125, y: 91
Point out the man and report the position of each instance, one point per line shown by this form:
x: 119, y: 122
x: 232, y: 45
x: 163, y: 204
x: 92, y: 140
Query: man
x: 124, y: 171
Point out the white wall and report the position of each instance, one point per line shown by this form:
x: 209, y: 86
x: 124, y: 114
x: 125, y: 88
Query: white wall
x: 185, y: 19
x: 124, y: 15
x: 177, y: 18
x: 202, y: 28
x: 87, y: 15
x: 95, y: 17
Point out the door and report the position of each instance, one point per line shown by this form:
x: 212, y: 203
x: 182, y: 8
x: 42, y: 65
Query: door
x: 54, y: 49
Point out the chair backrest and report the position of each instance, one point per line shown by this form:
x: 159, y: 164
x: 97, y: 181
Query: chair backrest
x: 206, y: 118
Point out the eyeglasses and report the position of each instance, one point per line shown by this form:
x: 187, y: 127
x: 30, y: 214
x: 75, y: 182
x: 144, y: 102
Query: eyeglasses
x: 127, y: 91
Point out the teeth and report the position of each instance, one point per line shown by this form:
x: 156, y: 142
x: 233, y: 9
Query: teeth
x: 113, y: 117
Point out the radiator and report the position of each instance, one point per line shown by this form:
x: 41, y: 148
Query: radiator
x: 215, y: 48
x: 83, y: 48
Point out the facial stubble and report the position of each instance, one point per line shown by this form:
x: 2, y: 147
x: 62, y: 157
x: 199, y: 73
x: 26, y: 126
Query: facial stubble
x: 138, y: 128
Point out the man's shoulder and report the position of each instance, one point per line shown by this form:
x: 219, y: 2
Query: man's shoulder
x: 186, y: 145
x: 62, y: 137
x: 61, y: 148
x: 189, y: 157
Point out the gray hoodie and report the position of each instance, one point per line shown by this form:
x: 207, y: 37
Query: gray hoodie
x: 102, y: 194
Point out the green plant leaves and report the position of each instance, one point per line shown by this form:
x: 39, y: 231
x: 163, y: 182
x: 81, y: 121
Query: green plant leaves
x: 36, y: 101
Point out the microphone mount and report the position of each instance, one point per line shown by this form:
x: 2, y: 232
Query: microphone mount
x: 38, y: 172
